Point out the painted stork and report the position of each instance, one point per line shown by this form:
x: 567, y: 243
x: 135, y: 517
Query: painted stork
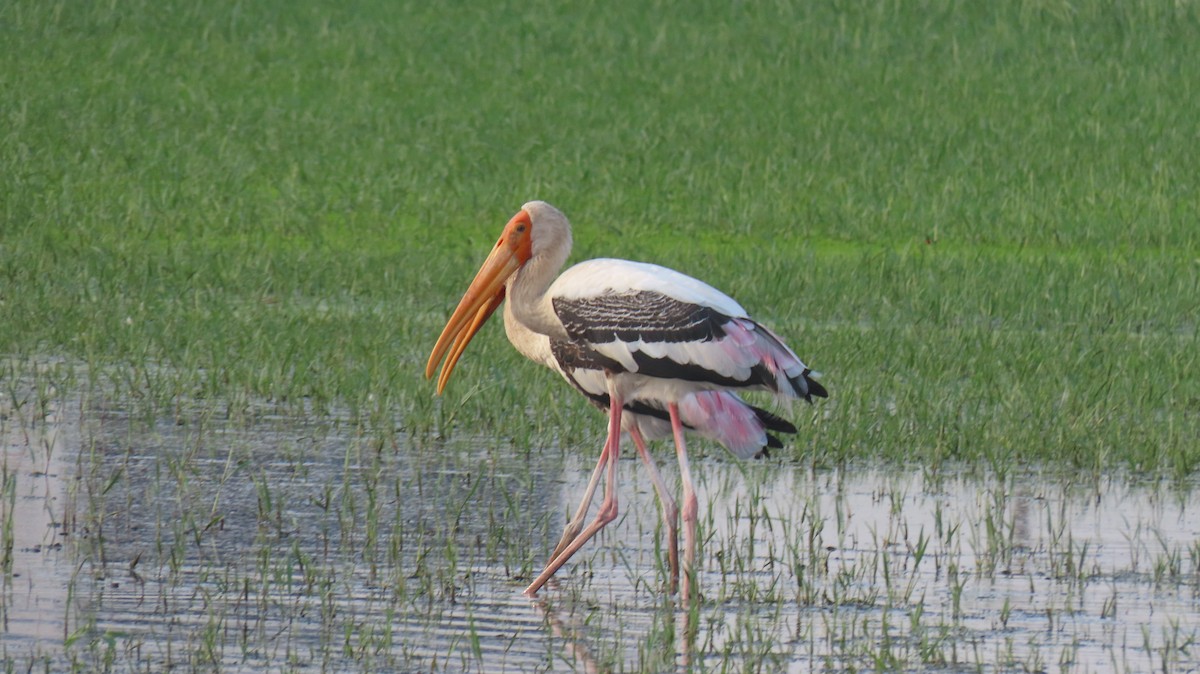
x: 661, y: 352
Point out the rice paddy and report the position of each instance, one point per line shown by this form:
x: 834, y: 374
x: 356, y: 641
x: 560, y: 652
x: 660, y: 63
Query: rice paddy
x: 277, y: 545
x: 229, y: 233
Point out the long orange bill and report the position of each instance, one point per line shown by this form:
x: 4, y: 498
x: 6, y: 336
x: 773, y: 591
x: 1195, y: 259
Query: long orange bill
x: 464, y: 337
x: 484, y: 295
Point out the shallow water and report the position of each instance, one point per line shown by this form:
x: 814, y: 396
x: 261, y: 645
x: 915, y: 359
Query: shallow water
x: 274, y: 543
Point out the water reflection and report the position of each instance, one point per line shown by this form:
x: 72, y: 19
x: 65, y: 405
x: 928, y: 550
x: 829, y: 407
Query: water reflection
x: 204, y: 543
x: 34, y: 604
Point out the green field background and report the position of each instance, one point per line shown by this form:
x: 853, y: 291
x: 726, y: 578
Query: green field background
x: 979, y: 220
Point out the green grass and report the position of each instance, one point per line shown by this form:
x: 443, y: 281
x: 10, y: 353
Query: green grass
x: 978, y: 220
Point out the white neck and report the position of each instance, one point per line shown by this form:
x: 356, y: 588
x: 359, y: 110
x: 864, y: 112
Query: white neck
x: 527, y: 301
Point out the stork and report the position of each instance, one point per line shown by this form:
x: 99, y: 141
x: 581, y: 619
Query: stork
x: 663, y: 353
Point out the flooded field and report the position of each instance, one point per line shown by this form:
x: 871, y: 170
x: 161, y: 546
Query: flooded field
x: 257, y: 542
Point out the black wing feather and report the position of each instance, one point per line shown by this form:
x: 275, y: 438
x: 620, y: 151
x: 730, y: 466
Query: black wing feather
x: 645, y: 314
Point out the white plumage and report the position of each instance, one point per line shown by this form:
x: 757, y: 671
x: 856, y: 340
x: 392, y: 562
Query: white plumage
x: 719, y: 415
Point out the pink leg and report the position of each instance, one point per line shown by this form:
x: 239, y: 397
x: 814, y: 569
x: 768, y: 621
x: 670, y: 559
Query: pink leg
x: 608, y: 508
x: 690, y: 507
x: 670, y: 511
x: 572, y: 529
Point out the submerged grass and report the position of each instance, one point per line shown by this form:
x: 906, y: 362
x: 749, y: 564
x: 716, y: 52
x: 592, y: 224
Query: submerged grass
x: 209, y: 544
x: 978, y: 221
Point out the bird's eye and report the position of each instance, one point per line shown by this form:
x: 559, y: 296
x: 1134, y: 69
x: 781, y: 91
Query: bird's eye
x: 520, y: 228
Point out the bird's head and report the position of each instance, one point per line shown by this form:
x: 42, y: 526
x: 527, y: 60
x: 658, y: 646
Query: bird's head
x: 548, y: 228
x: 533, y: 233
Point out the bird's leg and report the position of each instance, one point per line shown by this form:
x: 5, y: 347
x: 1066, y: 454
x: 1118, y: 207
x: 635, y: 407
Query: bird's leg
x: 608, y: 507
x: 690, y: 507
x: 670, y: 511
x: 572, y: 529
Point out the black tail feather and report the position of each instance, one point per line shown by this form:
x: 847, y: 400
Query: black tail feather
x: 806, y: 383
x: 773, y: 422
